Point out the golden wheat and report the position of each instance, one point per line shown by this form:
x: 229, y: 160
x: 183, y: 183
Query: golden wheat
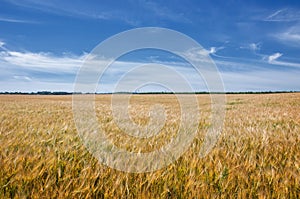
x: 257, y: 156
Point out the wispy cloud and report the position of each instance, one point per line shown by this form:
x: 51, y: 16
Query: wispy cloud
x: 14, y: 20
x: 42, y: 61
x: 284, y: 15
x: 2, y: 43
x: 255, y: 46
x: 29, y: 71
x: 26, y: 78
x: 152, y: 11
x: 274, y: 57
x: 261, y: 80
x: 162, y: 11
x: 286, y: 64
x: 41, y: 71
x: 81, y: 11
x: 290, y: 36
x: 196, y: 54
x: 65, y: 9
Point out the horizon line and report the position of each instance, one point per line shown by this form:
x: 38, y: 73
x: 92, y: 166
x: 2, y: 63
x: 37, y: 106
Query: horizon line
x: 139, y: 93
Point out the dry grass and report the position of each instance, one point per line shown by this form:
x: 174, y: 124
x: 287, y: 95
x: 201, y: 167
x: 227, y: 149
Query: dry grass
x: 257, y: 156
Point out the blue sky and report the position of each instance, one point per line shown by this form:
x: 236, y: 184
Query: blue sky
x: 254, y: 44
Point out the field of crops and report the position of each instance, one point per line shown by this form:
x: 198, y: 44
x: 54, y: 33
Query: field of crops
x: 257, y: 155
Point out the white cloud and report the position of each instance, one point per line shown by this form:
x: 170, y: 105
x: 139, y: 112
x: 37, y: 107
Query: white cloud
x: 13, y: 20
x: 286, y: 64
x: 160, y: 11
x: 28, y: 71
x: 255, y: 46
x: 261, y: 80
x: 2, y: 44
x: 47, y: 69
x: 213, y: 50
x: 284, y: 15
x: 274, y: 57
x: 26, y: 78
x: 42, y: 61
x: 196, y: 54
x: 34, y: 86
x: 290, y: 36
x: 64, y: 8
x: 252, y: 46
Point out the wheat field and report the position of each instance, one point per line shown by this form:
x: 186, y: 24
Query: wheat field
x: 257, y: 155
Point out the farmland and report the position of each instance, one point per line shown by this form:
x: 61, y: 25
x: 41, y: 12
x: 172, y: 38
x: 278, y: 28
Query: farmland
x: 257, y: 155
